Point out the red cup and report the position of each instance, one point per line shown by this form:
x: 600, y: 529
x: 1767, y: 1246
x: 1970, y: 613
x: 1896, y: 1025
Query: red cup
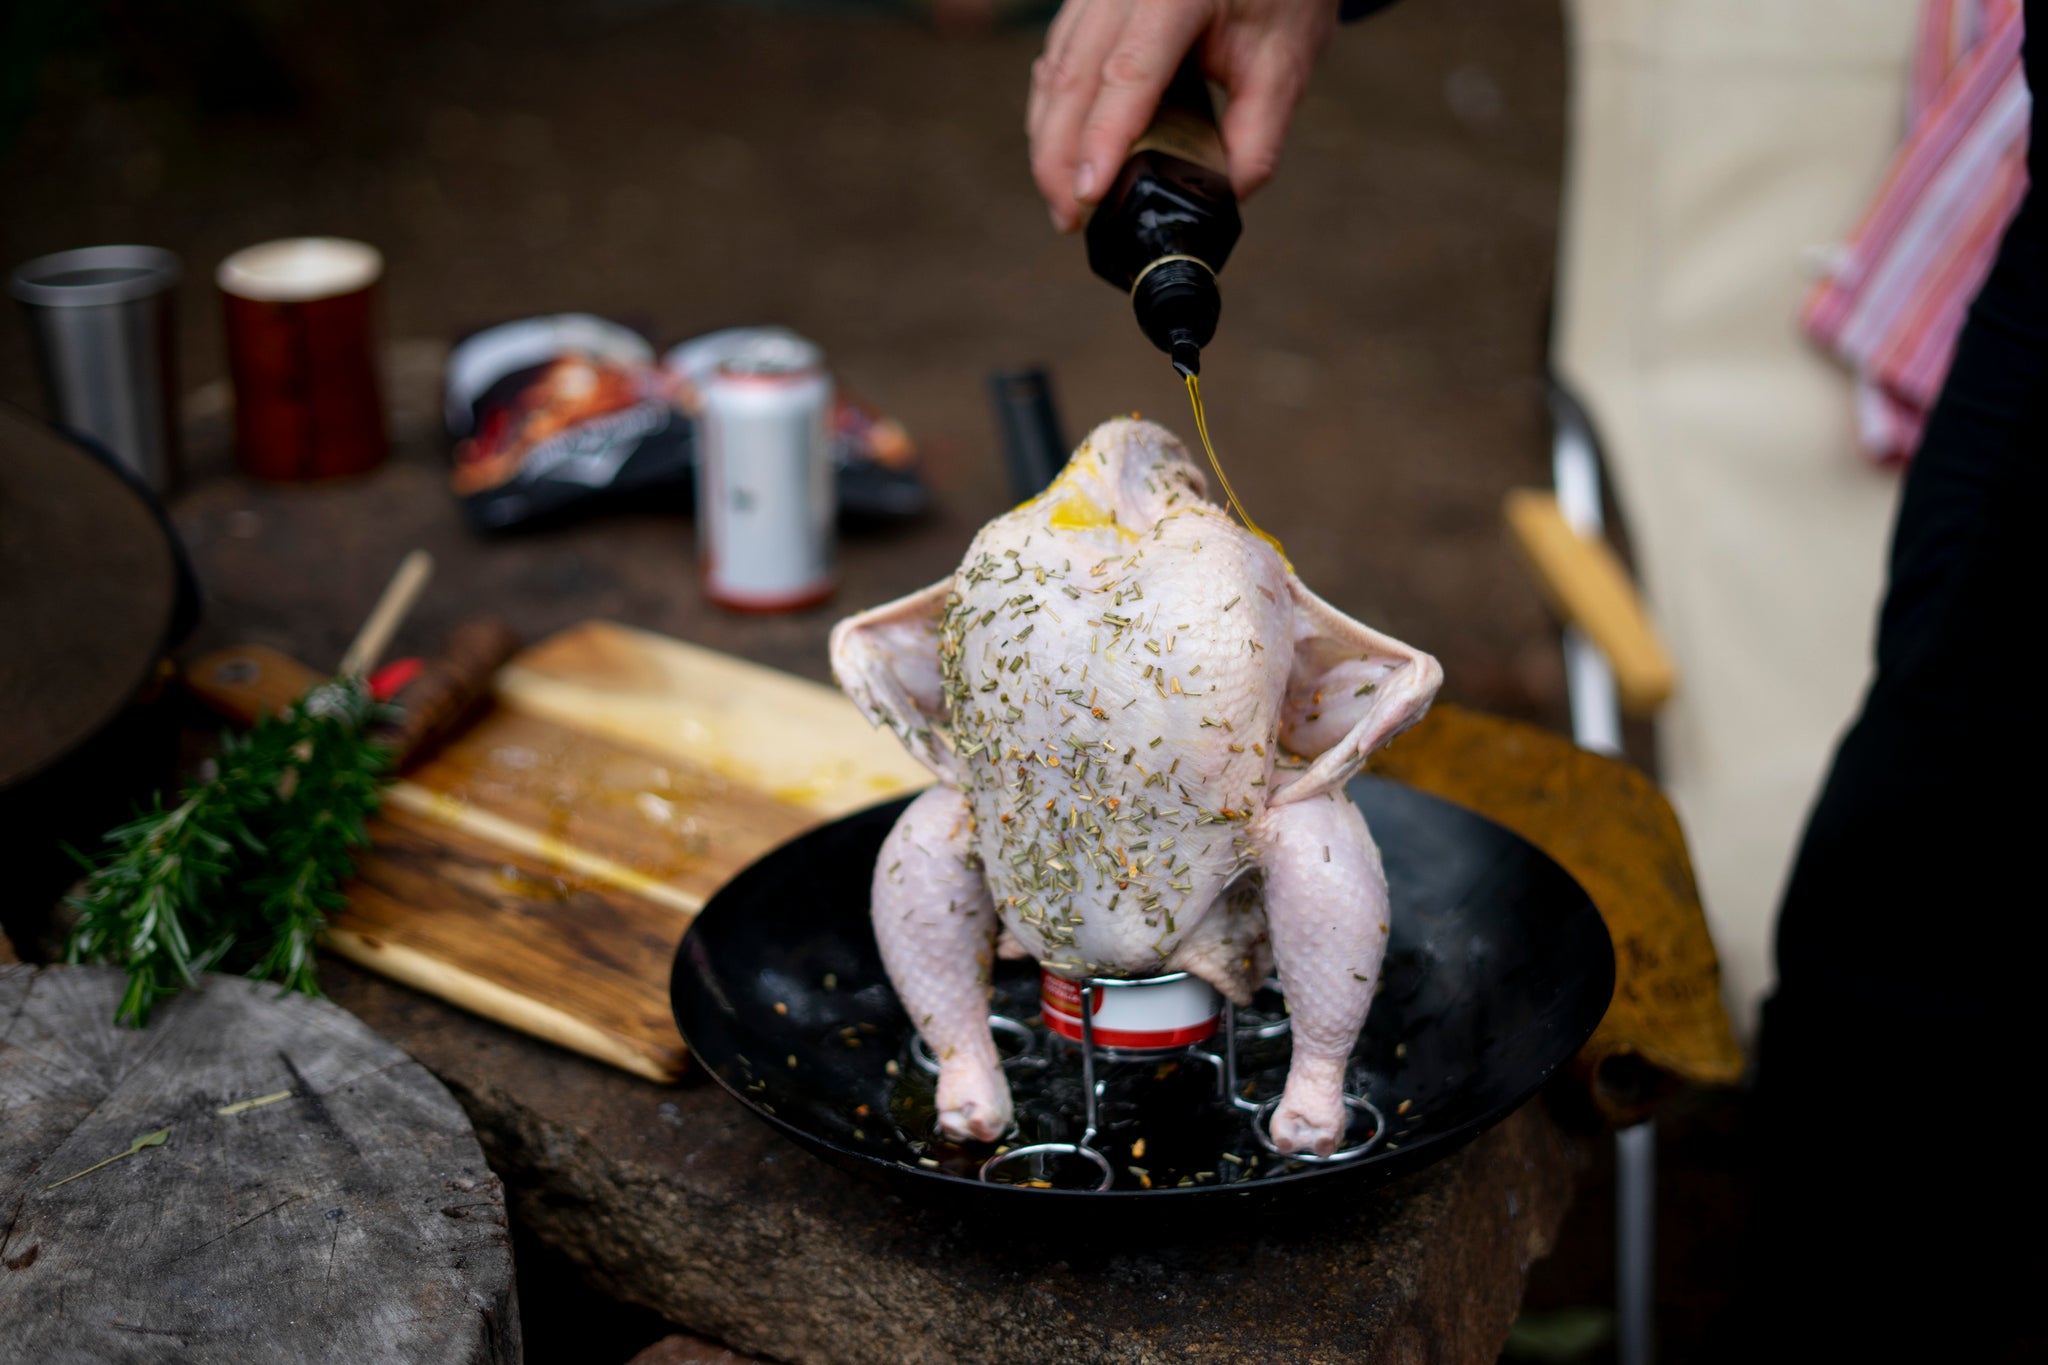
x: 302, y: 358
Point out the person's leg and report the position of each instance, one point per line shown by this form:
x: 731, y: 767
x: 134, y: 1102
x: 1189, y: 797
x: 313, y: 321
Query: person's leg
x: 1900, y: 1199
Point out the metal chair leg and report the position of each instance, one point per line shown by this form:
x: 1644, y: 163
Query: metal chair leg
x: 1596, y: 725
x: 1635, y: 1243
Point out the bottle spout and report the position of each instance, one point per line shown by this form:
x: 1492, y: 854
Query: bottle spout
x: 1177, y: 305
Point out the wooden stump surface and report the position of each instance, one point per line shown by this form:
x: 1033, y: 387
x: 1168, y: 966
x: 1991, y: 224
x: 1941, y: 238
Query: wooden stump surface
x: 353, y: 1221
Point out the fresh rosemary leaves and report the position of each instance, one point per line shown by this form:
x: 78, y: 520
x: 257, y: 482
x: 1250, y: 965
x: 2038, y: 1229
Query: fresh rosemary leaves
x: 243, y: 871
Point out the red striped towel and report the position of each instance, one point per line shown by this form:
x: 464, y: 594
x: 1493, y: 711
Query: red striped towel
x: 1894, y: 298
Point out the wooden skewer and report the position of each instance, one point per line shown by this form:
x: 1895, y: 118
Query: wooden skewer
x: 389, y: 613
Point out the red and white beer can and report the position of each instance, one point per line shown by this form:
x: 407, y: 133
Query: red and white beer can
x: 766, y: 501
x: 1151, y: 1014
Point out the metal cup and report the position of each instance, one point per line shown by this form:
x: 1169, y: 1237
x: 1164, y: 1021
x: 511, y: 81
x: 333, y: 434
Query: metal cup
x: 101, y: 317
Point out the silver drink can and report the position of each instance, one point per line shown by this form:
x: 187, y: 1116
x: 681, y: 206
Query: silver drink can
x: 765, y: 494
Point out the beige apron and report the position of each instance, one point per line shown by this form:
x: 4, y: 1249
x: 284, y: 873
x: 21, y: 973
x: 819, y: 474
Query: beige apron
x: 1717, y: 148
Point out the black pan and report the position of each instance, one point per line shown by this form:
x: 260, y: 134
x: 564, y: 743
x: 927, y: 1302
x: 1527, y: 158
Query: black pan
x: 1498, y: 969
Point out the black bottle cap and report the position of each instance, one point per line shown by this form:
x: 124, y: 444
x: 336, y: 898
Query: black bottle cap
x: 1177, y: 303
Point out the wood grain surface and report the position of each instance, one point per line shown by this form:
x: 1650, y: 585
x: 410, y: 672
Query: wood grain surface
x: 540, y: 867
x: 348, y: 1216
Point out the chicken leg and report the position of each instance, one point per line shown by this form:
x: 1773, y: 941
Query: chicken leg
x: 936, y: 927
x: 1326, y: 909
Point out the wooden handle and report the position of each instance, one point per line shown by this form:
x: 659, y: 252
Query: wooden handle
x: 450, y: 688
x: 251, y: 681
x: 1586, y: 586
x: 389, y: 613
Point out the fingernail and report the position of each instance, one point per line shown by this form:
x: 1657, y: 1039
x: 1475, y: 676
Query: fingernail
x: 1084, y: 181
x: 1059, y: 220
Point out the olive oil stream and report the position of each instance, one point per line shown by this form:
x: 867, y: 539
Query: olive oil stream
x: 1202, y: 427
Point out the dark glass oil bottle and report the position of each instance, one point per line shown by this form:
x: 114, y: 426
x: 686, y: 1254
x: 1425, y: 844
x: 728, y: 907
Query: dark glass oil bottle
x: 1169, y: 221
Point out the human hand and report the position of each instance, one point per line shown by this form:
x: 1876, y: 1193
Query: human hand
x: 1106, y: 62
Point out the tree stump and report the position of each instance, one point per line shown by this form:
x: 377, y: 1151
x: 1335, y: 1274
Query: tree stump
x: 352, y: 1220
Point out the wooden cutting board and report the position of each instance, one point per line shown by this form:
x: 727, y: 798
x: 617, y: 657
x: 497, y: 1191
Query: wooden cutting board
x: 541, y: 868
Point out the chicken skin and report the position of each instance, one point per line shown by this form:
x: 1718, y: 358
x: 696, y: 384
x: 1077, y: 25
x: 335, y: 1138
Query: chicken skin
x: 1141, y: 723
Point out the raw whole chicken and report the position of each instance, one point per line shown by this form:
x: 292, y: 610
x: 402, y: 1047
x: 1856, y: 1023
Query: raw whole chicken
x: 1142, y: 724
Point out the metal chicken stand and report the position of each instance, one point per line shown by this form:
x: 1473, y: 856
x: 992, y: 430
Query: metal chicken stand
x: 1164, y: 1044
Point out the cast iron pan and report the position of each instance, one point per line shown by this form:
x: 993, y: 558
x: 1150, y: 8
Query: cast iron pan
x: 94, y: 592
x: 1498, y: 968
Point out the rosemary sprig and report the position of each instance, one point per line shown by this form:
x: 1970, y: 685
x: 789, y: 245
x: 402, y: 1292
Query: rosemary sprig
x: 245, y: 868
x: 318, y: 824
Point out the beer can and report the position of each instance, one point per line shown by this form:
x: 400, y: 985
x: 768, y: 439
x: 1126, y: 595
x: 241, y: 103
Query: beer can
x: 765, y: 492
x: 1147, y: 1015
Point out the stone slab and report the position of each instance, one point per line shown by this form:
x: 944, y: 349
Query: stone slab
x: 675, y: 1198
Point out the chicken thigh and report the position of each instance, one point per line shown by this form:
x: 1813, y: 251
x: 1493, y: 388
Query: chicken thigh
x: 1142, y: 724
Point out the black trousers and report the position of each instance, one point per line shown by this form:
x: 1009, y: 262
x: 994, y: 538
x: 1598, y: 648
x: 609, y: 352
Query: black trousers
x: 1903, y: 1056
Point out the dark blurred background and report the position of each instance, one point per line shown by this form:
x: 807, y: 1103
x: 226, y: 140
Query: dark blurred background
x: 857, y: 172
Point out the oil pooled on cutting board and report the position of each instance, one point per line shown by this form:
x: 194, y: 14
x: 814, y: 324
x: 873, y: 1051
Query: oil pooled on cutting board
x: 1202, y: 429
